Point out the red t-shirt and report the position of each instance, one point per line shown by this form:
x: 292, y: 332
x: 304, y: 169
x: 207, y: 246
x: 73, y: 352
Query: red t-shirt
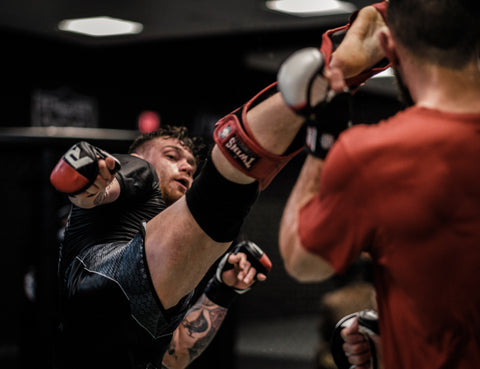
x: 407, y: 190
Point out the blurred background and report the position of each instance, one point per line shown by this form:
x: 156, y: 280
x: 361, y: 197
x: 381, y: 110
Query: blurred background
x: 187, y: 62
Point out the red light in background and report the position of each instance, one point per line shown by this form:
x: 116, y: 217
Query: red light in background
x: 148, y: 121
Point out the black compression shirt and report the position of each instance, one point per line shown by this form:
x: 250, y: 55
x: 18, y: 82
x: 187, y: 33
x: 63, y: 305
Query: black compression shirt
x: 140, y: 200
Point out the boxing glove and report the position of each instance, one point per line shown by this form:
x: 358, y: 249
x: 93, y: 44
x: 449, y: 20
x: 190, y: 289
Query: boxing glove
x: 78, y: 168
x: 221, y: 294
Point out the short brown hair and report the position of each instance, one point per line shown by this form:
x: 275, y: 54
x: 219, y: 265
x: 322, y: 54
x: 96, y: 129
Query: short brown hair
x: 444, y: 32
x: 195, y: 144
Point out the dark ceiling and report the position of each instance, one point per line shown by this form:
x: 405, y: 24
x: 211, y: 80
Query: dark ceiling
x: 162, y: 19
x: 192, y: 55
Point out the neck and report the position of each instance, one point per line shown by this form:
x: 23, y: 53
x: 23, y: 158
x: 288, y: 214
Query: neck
x: 440, y: 88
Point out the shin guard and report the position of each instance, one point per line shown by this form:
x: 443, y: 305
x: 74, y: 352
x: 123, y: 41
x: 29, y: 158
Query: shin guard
x: 235, y: 139
x: 218, y: 205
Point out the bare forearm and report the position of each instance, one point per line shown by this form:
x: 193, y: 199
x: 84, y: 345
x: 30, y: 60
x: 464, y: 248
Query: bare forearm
x: 194, y: 334
x: 87, y: 200
x: 299, y: 263
x: 305, y: 188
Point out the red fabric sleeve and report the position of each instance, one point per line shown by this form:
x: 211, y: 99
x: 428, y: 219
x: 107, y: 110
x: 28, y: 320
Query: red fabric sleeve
x: 335, y: 224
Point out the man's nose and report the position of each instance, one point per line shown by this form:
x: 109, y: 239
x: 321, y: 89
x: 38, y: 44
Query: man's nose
x: 186, y: 167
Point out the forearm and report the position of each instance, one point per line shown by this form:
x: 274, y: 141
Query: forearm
x: 358, y: 51
x: 194, y: 334
x: 88, y: 200
x: 306, y: 187
x: 274, y: 125
x: 299, y: 263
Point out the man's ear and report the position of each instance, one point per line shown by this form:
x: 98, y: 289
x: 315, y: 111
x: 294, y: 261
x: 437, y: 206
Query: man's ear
x: 388, y: 45
x: 137, y: 155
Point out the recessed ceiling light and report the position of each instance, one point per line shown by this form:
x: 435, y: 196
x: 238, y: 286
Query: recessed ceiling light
x: 100, y: 26
x: 310, y: 8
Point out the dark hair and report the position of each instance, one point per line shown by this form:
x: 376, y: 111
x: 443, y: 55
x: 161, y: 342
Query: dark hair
x: 444, y: 32
x: 195, y: 144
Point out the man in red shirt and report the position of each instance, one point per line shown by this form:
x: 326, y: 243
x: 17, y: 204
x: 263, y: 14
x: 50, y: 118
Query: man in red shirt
x: 406, y: 191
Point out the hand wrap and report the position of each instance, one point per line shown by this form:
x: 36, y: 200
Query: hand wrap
x: 368, y: 325
x: 221, y: 294
x: 78, y: 168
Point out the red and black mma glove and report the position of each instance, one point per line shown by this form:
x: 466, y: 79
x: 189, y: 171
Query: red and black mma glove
x: 223, y: 295
x: 324, y: 121
x: 368, y: 325
x: 78, y: 168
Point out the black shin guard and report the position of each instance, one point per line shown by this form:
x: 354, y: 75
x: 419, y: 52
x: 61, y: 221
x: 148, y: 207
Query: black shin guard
x: 218, y: 205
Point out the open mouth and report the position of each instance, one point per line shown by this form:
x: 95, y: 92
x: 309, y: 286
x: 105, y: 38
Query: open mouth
x: 183, y: 182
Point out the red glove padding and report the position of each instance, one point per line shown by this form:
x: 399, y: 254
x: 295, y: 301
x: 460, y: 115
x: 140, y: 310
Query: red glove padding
x: 78, y: 168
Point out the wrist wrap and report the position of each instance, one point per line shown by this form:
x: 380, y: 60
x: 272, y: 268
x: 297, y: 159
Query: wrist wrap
x: 330, y: 118
x: 220, y: 293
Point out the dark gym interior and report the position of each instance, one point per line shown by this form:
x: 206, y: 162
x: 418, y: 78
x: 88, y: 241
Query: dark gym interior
x: 58, y: 89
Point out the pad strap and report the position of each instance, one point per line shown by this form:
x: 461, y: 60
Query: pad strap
x: 332, y: 38
x: 235, y: 139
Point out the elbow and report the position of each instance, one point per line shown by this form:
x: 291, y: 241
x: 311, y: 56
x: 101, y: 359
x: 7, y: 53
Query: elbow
x: 295, y: 271
x: 299, y: 263
x: 305, y: 272
x: 290, y: 263
x: 304, y: 266
x: 290, y: 252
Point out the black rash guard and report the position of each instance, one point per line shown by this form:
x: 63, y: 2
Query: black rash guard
x: 110, y: 314
x: 140, y: 200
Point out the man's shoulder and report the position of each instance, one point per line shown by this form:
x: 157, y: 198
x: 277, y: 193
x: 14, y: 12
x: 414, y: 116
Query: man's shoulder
x: 132, y: 163
x: 363, y: 135
x: 136, y: 173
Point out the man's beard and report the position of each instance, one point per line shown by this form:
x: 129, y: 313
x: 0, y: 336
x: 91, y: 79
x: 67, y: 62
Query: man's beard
x: 403, y: 93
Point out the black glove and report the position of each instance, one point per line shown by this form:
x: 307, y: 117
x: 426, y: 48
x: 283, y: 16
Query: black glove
x: 223, y: 295
x: 329, y: 119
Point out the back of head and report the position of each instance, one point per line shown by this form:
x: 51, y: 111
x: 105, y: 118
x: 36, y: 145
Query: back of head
x: 442, y: 32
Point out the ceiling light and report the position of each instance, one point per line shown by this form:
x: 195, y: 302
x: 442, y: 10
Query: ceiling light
x: 387, y: 73
x: 310, y: 8
x: 100, y: 26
